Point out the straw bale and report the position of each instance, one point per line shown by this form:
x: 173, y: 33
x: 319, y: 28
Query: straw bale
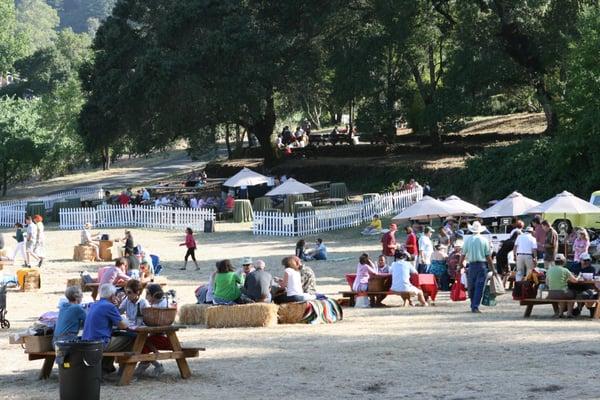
x: 246, y: 315
x: 74, y: 282
x: 291, y: 313
x: 193, y: 314
x: 84, y: 253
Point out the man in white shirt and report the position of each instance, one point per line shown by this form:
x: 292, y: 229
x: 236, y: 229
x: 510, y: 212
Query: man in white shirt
x: 401, y: 271
x: 193, y: 202
x: 525, y: 251
x: 425, y: 250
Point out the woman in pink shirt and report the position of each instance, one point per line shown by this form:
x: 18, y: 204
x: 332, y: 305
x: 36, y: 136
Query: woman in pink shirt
x: 364, y: 270
x: 580, y: 245
x: 190, y: 243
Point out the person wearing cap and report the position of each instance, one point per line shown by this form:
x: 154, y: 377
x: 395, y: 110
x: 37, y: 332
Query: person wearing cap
x: 425, y: 250
x: 257, y: 285
x: 401, y: 271
x: 247, y: 268
x: 88, y: 239
x: 525, y: 251
x: 550, y: 244
x: 374, y: 227
x: 557, y: 281
x: 388, y: 241
x: 584, y: 266
x: 477, y: 251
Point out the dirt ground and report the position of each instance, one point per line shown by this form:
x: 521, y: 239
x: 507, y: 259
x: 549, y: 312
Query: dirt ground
x: 441, y: 352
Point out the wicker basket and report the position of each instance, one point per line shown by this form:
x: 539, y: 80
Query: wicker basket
x: 159, y: 316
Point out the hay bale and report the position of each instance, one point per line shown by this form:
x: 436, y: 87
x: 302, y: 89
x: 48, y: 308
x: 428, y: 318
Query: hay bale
x: 75, y: 282
x: 84, y: 253
x: 193, y: 314
x: 246, y: 315
x: 291, y: 313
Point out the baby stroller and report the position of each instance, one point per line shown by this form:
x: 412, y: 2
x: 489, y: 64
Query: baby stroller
x: 4, y: 324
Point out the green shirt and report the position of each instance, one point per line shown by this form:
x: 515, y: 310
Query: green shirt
x: 557, y: 278
x: 226, y: 286
x: 476, y: 248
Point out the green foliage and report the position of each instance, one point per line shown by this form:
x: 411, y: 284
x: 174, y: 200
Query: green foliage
x: 13, y: 43
x: 38, y: 22
x: 82, y: 15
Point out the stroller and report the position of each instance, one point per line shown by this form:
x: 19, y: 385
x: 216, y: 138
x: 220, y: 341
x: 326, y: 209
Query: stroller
x: 4, y: 324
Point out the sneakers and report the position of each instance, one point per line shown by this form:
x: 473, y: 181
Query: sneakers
x: 182, y: 268
x: 158, y: 370
x: 140, y: 369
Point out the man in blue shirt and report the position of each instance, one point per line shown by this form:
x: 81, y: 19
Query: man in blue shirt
x: 101, y: 318
x: 477, y: 251
x: 320, y: 251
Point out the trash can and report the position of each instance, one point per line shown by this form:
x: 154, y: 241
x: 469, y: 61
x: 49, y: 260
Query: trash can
x: 79, y: 369
x: 209, y: 226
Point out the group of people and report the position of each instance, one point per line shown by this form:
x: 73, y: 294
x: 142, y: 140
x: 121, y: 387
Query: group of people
x: 113, y: 309
x: 251, y: 283
x: 30, y: 241
x: 318, y: 252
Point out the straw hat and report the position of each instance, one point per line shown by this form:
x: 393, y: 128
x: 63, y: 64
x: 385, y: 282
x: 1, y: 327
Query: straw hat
x: 476, y: 227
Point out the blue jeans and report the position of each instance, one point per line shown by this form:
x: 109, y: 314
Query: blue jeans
x: 476, y: 277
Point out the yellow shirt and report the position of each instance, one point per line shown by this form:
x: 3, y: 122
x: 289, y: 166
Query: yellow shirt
x: 376, y: 224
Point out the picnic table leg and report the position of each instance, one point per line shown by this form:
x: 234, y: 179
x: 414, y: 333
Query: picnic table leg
x: 184, y: 368
x: 528, y: 310
x: 47, y: 367
x: 129, y: 368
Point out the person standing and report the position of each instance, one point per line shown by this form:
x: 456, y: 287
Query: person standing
x: 38, y: 249
x: 31, y: 239
x: 525, y: 253
x: 550, y: 244
x: 20, y: 246
x: 425, y: 250
x: 388, y: 242
x: 411, y: 243
x: 190, y: 243
x: 540, y: 235
x: 477, y: 251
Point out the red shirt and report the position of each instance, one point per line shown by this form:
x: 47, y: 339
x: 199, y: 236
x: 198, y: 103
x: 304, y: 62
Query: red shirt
x: 123, y: 199
x: 389, y: 243
x: 411, y: 244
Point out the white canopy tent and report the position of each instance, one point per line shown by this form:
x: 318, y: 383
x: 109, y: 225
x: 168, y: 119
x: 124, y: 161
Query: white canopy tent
x: 564, y: 203
x: 291, y: 186
x: 513, y: 205
x: 462, y: 208
x: 426, y: 208
x: 246, y: 177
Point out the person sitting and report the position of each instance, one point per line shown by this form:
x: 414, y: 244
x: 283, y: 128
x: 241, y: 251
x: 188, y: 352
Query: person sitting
x: 438, y: 266
x: 133, y: 304
x: 401, y: 270
x: 308, y: 277
x: 204, y: 293
x: 584, y: 266
x: 229, y: 203
x: 257, y: 285
x: 192, y: 179
x: 557, y: 281
x: 226, y: 290
x: 382, y: 267
x: 319, y: 252
x: 101, y: 318
x: 114, y: 274
x: 123, y: 199
x: 133, y: 263
x: 301, y: 250
x: 374, y: 227
x: 364, y: 270
x: 71, y: 316
x: 247, y: 268
x: 291, y: 283
x: 89, y: 239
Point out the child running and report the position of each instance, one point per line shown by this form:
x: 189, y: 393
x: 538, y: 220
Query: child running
x: 190, y: 243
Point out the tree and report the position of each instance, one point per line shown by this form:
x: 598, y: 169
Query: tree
x: 38, y: 22
x: 13, y: 43
x: 19, y: 152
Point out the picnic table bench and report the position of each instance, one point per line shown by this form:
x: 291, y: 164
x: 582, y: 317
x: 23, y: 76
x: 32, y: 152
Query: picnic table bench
x: 129, y: 359
x: 352, y: 295
x: 529, y: 303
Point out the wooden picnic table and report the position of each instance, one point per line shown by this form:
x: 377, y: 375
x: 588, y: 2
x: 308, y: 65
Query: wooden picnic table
x: 129, y: 359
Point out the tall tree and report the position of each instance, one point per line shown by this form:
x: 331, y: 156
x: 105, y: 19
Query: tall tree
x: 38, y: 21
x: 13, y: 43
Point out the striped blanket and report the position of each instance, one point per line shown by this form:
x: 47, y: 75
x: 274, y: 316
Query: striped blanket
x: 325, y: 311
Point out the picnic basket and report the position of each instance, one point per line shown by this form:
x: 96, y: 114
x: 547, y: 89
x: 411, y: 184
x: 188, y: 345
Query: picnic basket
x: 159, y: 316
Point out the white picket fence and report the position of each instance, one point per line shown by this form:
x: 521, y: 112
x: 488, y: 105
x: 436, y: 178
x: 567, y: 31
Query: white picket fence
x: 84, y: 193
x: 10, y: 215
x: 114, y: 216
x: 312, y: 222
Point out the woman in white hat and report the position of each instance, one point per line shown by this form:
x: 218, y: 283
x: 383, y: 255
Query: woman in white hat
x: 88, y: 239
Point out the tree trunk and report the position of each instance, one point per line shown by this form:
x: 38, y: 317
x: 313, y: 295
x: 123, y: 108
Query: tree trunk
x: 545, y: 100
x: 263, y: 130
x: 4, y: 179
x: 227, y: 141
x: 105, y: 158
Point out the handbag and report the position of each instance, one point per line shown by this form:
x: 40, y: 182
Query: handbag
x: 458, y: 293
x: 488, y: 299
x: 496, y: 285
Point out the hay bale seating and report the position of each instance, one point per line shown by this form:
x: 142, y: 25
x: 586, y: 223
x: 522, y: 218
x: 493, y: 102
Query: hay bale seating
x: 193, y: 314
x: 75, y: 282
x: 84, y: 253
x: 238, y: 316
x: 292, y: 313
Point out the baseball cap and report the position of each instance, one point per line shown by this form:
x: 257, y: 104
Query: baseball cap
x: 530, y: 229
x: 585, y: 257
x: 560, y: 258
x: 247, y: 261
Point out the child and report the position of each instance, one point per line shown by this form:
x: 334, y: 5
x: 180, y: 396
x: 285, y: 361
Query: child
x: 20, y: 247
x: 133, y: 304
x: 155, y: 298
x: 190, y: 243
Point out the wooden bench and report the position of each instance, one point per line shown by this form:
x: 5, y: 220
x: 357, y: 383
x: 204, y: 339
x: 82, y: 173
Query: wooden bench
x: 529, y: 303
x: 406, y: 296
x: 124, y: 357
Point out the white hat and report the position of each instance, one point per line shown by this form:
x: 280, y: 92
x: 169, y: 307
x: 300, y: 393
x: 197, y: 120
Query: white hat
x: 476, y: 227
x: 560, y: 258
x: 529, y: 229
x: 247, y: 261
x: 585, y: 257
